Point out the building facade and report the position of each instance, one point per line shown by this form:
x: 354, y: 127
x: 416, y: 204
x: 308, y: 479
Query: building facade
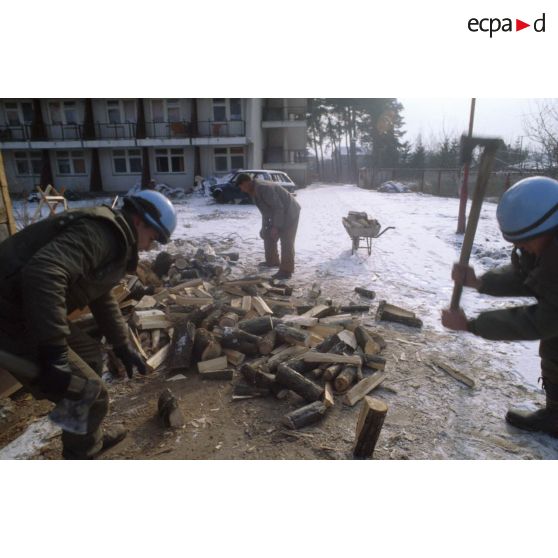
x: 109, y: 145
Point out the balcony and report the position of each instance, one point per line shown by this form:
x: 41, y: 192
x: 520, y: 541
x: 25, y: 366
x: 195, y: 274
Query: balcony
x: 282, y: 114
x: 221, y: 129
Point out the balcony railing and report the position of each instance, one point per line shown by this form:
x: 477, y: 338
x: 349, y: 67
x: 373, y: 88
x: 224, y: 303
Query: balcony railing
x: 286, y: 155
x: 273, y: 114
x: 124, y: 130
x: 15, y: 133
x: 168, y: 129
x: 221, y: 129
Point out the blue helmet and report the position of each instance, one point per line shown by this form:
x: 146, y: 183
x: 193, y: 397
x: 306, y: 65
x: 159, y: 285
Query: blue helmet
x: 529, y: 208
x: 156, y: 210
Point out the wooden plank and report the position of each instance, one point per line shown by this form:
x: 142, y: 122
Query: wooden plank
x: 331, y: 358
x: 363, y: 388
x: 219, y: 363
x: 456, y: 374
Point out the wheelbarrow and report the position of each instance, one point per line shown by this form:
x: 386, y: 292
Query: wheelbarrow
x: 362, y: 230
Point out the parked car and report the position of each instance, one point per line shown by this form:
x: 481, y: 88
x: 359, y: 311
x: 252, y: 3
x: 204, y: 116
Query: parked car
x: 229, y: 192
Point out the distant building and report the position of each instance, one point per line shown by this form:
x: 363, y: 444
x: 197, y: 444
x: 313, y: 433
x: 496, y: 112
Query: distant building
x: 108, y: 145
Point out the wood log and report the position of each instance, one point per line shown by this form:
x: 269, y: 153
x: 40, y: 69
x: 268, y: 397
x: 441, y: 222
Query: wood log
x: 319, y: 311
x: 246, y: 391
x: 312, y: 356
x: 267, y: 343
x: 162, y: 264
x: 355, y: 308
x: 169, y: 410
x: 309, y: 414
x: 392, y: 313
x: 136, y: 343
x: 244, y: 282
x: 374, y: 361
x: 296, y: 382
x: 369, y: 426
x: 328, y: 399
x: 256, y: 376
x: 219, y: 363
x: 236, y: 358
x: 210, y: 321
x: 259, y: 304
x: 182, y: 345
x: 301, y: 321
x: 291, y: 335
x: 330, y: 373
x: 206, y: 347
x: 345, y: 379
x: 363, y: 388
x: 236, y: 303
x: 177, y: 289
x: 199, y: 314
x: 192, y: 300
x: 287, y: 354
x: 258, y: 326
x: 154, y: 361
x: 249, y: 349
x: 229, y: 319
x: 367, y: 342
x: 223, y: 374
x: 150, y: 319
x: 365, y: 293
x: 348, y: 337
x: 246, y: 303
x: 327, y: 344
x: 341, y: 319
x: 228, y: 334
x: 325, y: 331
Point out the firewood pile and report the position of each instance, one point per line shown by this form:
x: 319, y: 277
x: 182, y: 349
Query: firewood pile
x: 252, y: 332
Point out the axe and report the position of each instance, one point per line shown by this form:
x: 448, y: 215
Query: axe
x: 468, y: 144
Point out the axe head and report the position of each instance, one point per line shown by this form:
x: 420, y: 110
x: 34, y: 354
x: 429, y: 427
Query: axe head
x: 468, y: 145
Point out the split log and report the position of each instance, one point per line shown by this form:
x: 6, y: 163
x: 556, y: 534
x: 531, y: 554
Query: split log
x: 177, y: 289
x: 246, y: 303
x: 169, y: 410
x: 330, y: 373
x: 136, y: 342
x: 155, y: 338
x: 210, y: 321
x: 245, y: 391
x: 365, y: 293
x: 162, y: 264
x: 154, y: 361
x: 212, y: 365
x: 150, y: 319
x: 325, y: 331
x: 259, y: 304
x: 328, y: 395
x: 192, y: 300
x: 206, y: 347
x: 337, y: 319
x: 309, y: 414
x: 290, y: 334
x: 316, y: 373
x: 230, y: 319
x: 312, y: 356
x: 258, y: 326
x: 249, y: 349
x: 327, y: 344
x: 363, y: 388
x: 223, y: 374
x: 244, y: 282
x: 200, y: 314
x: 301, y: 321
x: 348, y: 337
x: 345, y: 379
x: 370, y: 344
x: 374, y: 361
x: 257, y: 377
x: 182, y: 345
x: 456, y: 374
x: 283, y: 356
x: 236, y: 358
x: 392, y: 313
x: 319, y: 311
x: 369, y: 426
x: 267, y: 343
x: 296, y: 382
x: 354, y: 308
x: 228, y: 334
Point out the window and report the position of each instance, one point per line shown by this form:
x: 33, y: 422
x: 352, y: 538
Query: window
x: 126, y: 161
x: 121, y: 111
x: 63, y: 112
x: 166, y: 110
x: 228, y: 158
x: 18, y: 113
x: 70, y: 162
x: 28, y: 163
x: 169, y: 160
x: 227, y: 109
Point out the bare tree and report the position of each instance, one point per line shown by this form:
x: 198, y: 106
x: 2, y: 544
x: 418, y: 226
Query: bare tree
x: 542, y: 127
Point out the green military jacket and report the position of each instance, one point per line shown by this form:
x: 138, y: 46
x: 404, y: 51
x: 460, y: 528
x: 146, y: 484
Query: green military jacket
x: 63, y: 263
x: 527, y: 276
x: 278, y: 207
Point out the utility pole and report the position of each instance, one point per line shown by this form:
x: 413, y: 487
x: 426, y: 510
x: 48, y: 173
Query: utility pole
x: 7, y: 223
x: 461, y: 218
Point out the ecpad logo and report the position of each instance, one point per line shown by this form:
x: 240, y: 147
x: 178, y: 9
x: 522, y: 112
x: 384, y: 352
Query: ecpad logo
x: 494, y: 24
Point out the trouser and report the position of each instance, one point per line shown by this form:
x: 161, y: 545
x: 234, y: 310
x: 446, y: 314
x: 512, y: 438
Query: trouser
x: 287, y: 236
x: 86, y: 361
x: 548, y: 351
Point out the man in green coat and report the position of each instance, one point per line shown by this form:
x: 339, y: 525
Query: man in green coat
x: 528, y: 217
x: 280, y: 212
x: 70, y: 261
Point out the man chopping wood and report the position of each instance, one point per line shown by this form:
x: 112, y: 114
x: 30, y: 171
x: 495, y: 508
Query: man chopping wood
x: 280, y: 212
x: 70, y: 261
x: 528, y: 217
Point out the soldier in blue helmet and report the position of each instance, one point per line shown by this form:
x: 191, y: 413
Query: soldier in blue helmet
x: 528, y: 217
x: 69, y: 261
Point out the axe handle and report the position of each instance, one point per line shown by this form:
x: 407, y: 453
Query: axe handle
x: 486, y: 162
x: 21, y: 368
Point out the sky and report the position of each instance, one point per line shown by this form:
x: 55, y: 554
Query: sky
x: 493, y: 117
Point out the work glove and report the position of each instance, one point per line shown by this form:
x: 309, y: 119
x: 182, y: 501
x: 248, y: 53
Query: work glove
x: 55, y: 369
x: 130, y: 359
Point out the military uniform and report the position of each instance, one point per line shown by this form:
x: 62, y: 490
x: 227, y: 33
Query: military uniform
x: 53, y: 267
x: 526, y: 276
x: 279, y: 210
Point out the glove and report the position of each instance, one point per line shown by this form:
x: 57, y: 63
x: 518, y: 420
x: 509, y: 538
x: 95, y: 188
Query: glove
x: 130, y: 359
x: 55, y: 369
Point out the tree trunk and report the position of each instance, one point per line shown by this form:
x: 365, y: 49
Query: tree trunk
x: 369, y: 426
x: 296, y: 382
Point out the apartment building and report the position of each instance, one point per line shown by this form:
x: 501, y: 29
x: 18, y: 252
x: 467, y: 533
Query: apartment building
x: 108, y: 145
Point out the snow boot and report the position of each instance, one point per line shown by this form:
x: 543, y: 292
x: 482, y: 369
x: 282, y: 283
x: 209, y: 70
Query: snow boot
x: 282, y: 275
x: 543, y: 420
x: 267, y: 265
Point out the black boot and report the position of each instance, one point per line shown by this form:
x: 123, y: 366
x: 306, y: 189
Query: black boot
x: 543, y: 420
